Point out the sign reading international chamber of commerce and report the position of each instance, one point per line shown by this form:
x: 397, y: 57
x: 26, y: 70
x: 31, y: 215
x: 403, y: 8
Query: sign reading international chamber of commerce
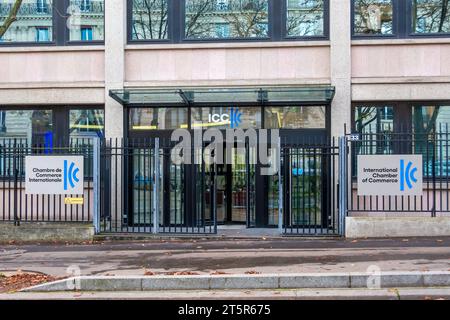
x: 54, y: 175
x: 390, y: 175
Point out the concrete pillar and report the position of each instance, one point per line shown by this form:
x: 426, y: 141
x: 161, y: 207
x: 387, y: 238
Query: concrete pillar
x: 115, y: 39
x: 340, y: 61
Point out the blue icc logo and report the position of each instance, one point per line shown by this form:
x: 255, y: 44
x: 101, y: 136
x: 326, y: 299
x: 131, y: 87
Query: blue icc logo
x: 407, y: 174
x: 70, y: 175
x: 235, y: 118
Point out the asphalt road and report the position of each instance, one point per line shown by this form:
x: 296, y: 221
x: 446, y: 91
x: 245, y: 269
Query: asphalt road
x: 290, y: 255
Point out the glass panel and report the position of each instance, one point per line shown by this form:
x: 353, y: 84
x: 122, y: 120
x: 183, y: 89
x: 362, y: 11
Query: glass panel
x: 375, y: 124
x: 428, y: 120
x: 34, y: 21
x: 86, y: 22
x: 142, y: 187
x: 226, y: 19
x: 431, y: 16
x: 158, y: 118
x: 149, y: 20
x: 85, y: 123
x: 305, y: 18
x: 226, y: 117
x: 373, y: 17
x: 295, y: 117
x: 34, y: 126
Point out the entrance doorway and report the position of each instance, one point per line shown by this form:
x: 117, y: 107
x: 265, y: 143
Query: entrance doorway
x: 234, y: 187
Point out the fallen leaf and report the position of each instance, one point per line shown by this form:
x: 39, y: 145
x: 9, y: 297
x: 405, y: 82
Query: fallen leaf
x: 252, y: 272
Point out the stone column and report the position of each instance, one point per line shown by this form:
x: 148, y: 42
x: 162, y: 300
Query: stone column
x: 115, y: 39
x: 340, y: 61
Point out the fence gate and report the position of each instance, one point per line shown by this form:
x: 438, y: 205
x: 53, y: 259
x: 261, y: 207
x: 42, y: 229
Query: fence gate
x: 143, y: 191
x: 309, y: 189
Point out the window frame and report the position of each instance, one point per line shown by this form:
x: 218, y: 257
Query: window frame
x: 326, y: 24
x: 396, y: 8
x: 276, y: 26
x: 402, y: 25
x: 60, y: 33
x: 60, y: 115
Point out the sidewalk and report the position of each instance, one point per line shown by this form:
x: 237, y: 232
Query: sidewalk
x: 229, y: 257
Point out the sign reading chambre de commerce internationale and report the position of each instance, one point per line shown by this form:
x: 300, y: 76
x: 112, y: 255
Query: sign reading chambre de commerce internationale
x: 390, y: 175
x: 54, y: 175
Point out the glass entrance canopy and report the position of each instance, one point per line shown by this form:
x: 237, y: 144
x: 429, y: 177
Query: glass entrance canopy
x: 217, y: 96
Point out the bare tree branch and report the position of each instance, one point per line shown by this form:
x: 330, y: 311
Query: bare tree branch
x: 12, y: 17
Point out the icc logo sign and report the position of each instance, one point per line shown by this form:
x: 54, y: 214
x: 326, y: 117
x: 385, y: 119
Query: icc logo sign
x: 234, y: 118
x: 407, y: 175
x: 70, y: 175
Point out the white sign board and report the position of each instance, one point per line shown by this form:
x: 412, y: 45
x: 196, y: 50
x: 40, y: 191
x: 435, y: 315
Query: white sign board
x: 390, y: 175
x: 54, y: 175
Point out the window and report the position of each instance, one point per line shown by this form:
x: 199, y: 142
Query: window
x: 295, y: 117
x: 401, y: 18
x: 85, y: 5
x: 34, y: 21
x: 27, y: 126
x: 373, y: 17
x: 41, y: 6
x: 56, y: 22
x: 158, y: 118
x: 430, y: 16
x: 305, y: 18
x: 246, y: 19
x: 149, y: 19
x: 220, y: 20
x: 430, y: 126
x: 42, y: 34
x: 428, y: 119
x: 86, y: 123
x: 86, y: 21
x: 86, y: 34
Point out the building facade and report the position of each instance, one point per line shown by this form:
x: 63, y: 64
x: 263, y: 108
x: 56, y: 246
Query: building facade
x: 314, y: 69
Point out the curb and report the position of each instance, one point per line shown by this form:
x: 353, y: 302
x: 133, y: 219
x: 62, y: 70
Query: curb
x: 268, y: 281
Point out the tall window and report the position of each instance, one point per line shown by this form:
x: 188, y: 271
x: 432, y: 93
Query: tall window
x: 373, y: 17
x: 34, y: 21
x: 305, y: 18
x: 430, y: 16
x: 149, y: 19
x: 86, y: 21
x: 244, y: 19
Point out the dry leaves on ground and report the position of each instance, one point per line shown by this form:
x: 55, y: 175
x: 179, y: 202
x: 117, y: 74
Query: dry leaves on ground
x: 23, y: 280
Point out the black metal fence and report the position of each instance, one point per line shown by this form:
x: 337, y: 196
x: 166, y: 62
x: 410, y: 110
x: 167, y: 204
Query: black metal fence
x: 17, y: 206
x: 138, y: 179
x: 309, y: 188
x: 432, y: 144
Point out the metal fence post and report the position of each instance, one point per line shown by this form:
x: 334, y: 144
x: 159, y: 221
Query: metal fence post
x: 343, y: 183
x: 156, y: 188
x: 96, y: 178
x: 280, y: 190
